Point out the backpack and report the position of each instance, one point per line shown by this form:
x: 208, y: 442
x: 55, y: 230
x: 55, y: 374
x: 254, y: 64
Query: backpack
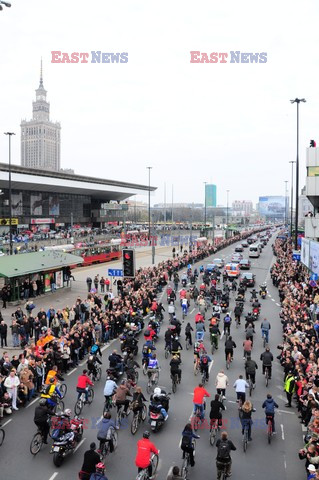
x: 147, y: 333
x: 227, y: 320
x: 94, y: 349
x: 185, y: 442
x: 45, y: 389
x: 204, y: 360
x: 223, y: 450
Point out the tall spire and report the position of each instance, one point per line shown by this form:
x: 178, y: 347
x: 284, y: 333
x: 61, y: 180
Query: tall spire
x: 41, y: 75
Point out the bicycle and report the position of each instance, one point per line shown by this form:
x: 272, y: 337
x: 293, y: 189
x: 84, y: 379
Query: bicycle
x: 121, y: 414
x: 108, y: 404
x: 222, y: 468
x: 251, y: 385
x: 205, y: 376
x: 96, y: 376
x: 143, y: 474
x: 228, y: 361
x: 105, y: 449
x: 187, y: 461
x: 81, y: 401
x: 237, y: 320
x: 265, y: 340
x: 36, y: 443
x: 267, y: 375
x: 214, y: 428
x: 59, y: 406
x: 2, y: 435
x: 152, y: 381
x: 245, y: 437
x: 168, y: 349
x: 188, y: 343
x: 269, y: 428
x: 63, y: 388
x: 138, y: 417
x: 175, y: 381
x: 196, y: 366
x: 184, y: 314
x: 197, y: 418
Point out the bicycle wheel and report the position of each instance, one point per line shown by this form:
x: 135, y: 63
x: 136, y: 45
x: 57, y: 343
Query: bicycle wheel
x: 196, y: 369
x: 144, y: 368
x: 269, y: 431
x: 267, y: 377
x: 250, y: 387
x: 166, y: 353
x: 134, y: 424
x: 174, y: 386
x: 212, y: 436
x: 149, y: 387
x: 36, y: 443
x: 59, y: 406
x: 245, y: 440
x: 90, y: 395
x: 2, y: 435
x: 98, y: 374
x: 187, y: 344
x: 144, y: 413
x: 184, y: 469
x: 227, y: 364
x: 196, y: 423
x: 63, y: 389
x: 156, y: 378
x: 136, y: 376
x: 264, y: 342
x: 154, y: 462
x: 78, y: 407
x: 115, y: 439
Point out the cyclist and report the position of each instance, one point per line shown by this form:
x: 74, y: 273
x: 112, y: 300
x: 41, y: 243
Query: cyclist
x: 250, y: 330
x: 221, y: 383
x: 187, y: 443
x: 237, y: 313
x: 214, y: 332
x: 99, y: 472
x: 240, y: 386
x: 175, y: 367
x: 234, y: 285
x: 223, y: 459
x: 265, y: 327
x: 121, y: 395
x: 184, y: 306
x: 199, y: 349
x: 176, y: 347
x: 200, y: 330
x: 176, y: 281
x: 104, y: 434
x: 131, y: 366
x: 248, y: 345
x: 250, y: 368
x: 269, y: 405
x: 91, y: 364
x: 95, y: 349
x: 144, y: 450
x: 109, y: 387
x: 137, y: 401
x: 159, y: 402
x: 171, y: 309
x: 216, y: 407
x: 41, y: 416
x: 227, y: 323
x: 53, y: 373
x: 91, y: 458
x: 246, y: 412
x: 267, y: 358
x: 174, y: 474
x: 50, y: 393
x: 198, y: 399
x: 204, y: 365
x: 147, y: 349
x: 116, y: 362
x: 188, y: 333
x: 168, y: 336
x: 83, y: 382
x: 229, y: 348
x: 153, y: 365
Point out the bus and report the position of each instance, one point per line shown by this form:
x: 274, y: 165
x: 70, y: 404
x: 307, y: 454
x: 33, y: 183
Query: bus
x: 254, y: 251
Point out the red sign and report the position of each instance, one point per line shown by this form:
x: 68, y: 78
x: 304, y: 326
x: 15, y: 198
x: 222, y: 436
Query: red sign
x: 42, y: 221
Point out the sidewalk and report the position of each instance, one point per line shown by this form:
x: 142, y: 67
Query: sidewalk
x: 66, y: 297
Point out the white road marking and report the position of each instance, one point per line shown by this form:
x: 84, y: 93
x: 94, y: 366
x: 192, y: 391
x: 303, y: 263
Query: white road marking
x: 98, y: 421
x: 272, y: 299
x: 304, y: 428
x: 192, y: 311
x: 33, y: 401
x: 72, y: 371
x: 278, y: 304
x: 54, y: 475
x: 107, y: 346
x: 78, y: 446
x: 269, y: 295
x: 282, y: 431
x: 6, y: 423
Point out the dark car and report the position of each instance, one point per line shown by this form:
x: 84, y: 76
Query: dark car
x: 250, y: 279
x: 244, y: 264
x: 239, y: 248
x: 250, y: 241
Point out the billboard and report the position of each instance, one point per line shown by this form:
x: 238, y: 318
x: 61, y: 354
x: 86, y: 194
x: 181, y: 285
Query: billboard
x: 36, y: 204
x: 54, y: 205
x: 16, y: 204
x: 305, y: 251
x: 272, y: 206
x: 210, y: 193
x: 314, y: 257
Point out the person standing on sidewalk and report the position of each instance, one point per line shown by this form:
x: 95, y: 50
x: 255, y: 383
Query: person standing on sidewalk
x: 15, y: 332
x: 289, y: 387
x: 11, y: 383
x: 3, y: 333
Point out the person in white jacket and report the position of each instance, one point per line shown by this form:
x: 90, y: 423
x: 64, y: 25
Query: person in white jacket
x: 240, y: 385
x: 11, y: 383
x: 221, y: 383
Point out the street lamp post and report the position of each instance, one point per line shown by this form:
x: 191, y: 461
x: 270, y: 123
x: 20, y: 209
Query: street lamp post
x: 149, y: 202
x: 227, y: 215
x: 297, y: 101
x: 205, y: 210
x: 286, y: 203
x: 10, y: 195
x: 291, y: 195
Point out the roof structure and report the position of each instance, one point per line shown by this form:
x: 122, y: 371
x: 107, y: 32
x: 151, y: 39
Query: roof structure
x: 28, y: 263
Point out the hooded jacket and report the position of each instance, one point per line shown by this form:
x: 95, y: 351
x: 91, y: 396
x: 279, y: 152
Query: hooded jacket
x: 269, y: 405
x: 221, y: 380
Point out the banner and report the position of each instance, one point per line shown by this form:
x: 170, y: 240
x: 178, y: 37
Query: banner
x: 305, y: 247
x: 314, y: 257
x: 36, y: 204
x: 16, y: 204
x: 272, y: 206
x: 42, y: 221
x: 6, y: 221
x: 54, y: 205
x: 59, y: 279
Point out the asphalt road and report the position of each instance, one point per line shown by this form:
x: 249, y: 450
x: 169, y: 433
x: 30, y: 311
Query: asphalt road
x: 261, y: 461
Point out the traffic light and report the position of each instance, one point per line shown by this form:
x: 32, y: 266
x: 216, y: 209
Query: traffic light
x: 312, y: 144
x: 128, y: 257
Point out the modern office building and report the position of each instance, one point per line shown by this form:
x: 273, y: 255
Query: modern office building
x: 40, y: 137
x: 312, y: 193
x: 211, y: 195
x: 55, y: 199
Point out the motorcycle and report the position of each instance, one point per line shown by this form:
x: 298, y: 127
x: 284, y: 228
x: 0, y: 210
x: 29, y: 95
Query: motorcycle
x: 256, y: 313
x: 184, y: 282
x: 156, y: 418
x: 114, y: 373
x: 263, y: 294
x: 67, y: 442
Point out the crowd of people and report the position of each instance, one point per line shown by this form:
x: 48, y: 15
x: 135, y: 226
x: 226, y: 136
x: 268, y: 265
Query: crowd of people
x: 299, y: 351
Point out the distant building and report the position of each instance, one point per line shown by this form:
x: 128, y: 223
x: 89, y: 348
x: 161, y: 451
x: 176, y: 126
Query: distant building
x: 70, y: 171
x: 178, y: 205
x: 305, y: 206
x: 211, y: 195
x: 40, y: 138
x: 242, y: 208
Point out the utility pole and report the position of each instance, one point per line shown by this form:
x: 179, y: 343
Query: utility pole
x: 10, y: 193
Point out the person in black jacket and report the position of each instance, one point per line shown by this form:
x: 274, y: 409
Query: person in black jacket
x: 41, y: 417
x: 187, y: 442
x: 216, y: 407
x: 91, y: 459
x: 3, y: 333
x: 229, y: 347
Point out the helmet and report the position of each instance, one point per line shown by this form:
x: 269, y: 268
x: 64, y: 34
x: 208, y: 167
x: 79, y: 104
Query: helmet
x: 130, y: 334
x: 146, y: 434
x: 91, y: 358
x: 100, y: 466
x: 51, y: 380
x: 42, y: 402
x: 67, y: 412
x: 157, y: 391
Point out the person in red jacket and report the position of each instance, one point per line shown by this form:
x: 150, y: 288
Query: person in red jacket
x: 144, y: 450
x: 83, y: 382
x: 199, y: 318
x: 198, y: 400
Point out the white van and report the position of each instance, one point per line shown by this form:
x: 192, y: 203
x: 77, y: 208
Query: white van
x: 254, y: 251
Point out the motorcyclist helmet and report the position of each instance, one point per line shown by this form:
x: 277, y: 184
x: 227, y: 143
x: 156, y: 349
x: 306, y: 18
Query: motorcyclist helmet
x: 100, y: 467
x: 67, y: 412
x: 146, y: 434
x: 157, y: 391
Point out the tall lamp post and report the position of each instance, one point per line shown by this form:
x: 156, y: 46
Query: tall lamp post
x: 227, y: 215
x: 297, y: 101
x: 286, y: 203
x: 149, y: 202
x: 291, y: 195
x: 205, y: 210
x: 10, y: 196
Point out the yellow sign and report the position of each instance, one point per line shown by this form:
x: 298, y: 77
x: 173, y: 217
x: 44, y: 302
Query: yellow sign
x: 6, y: 221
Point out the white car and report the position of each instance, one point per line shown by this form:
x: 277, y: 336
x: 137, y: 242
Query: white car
x: 219, y: 262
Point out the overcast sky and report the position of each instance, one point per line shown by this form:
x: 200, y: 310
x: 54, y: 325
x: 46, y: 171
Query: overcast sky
x: 228, y: 124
